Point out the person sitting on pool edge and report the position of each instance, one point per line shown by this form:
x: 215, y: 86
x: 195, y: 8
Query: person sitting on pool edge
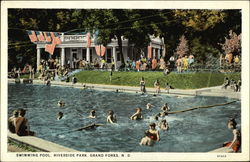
x: 147, y: 140
x: 59, y: 115
x: 22, y: 126
x: 92, y: 114
x: 12, y: 122
x: 137, y: 115
x: 154, y: 134
x: 111, y: 117
x: 235, y: 144
x: 163, y: 125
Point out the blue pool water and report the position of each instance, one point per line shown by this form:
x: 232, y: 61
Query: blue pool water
x: 199, y: 130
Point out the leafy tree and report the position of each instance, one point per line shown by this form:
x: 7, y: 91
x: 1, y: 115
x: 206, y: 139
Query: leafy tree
x: 232, y: 44
x: 182, y: 48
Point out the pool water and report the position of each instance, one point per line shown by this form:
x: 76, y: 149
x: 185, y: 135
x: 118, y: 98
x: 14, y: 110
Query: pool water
x: 199, y: 130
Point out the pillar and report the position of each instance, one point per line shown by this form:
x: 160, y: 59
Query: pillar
x: 62, y: 57
x: 154, y: 53
x: 88, y: 55
x: 38, y: 58
x: 71, y: 60
x: 114, y: 57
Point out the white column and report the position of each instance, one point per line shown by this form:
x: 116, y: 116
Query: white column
x: 38, y: 58
x: 159, y: 53
x: 71, y: 59
x: 88, y: 55
x: 62, y: 56
x: 114, y: 56
x: 62, y: 37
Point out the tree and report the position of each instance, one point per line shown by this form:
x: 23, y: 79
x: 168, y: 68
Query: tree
x: 182, y: 48
x: 232, y: 44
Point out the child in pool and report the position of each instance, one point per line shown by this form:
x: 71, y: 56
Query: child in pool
x: 147, y: 140
x: 92, y: 114
x: 111, y: 117
x: 154, y: 134
x: 59, y: 116
x: 137, y: 115
x: 60, y: 103
x: 149, y: 106
x: 163, y: 125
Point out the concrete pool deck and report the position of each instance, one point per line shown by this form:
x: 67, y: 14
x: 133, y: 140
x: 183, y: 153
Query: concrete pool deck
x: 43, y: 145
x: 209, y: 91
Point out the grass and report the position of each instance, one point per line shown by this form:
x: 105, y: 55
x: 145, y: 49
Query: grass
x: 180, y: 81
x: 22, y: 146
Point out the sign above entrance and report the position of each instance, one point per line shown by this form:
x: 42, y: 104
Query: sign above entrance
x: 74, y: 38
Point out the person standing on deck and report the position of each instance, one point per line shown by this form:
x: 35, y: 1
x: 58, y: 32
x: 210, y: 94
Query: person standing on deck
x: 142, y: 84
x: 157, y: 86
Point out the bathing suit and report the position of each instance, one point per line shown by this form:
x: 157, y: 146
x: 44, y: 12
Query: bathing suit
x: 236, y: 145
x: 153, y: 136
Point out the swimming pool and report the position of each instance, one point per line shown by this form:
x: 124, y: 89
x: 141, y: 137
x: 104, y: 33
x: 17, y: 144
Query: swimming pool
x: 199, y: 130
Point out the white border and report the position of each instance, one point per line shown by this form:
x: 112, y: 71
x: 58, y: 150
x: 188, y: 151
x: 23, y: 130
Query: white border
x: 244, y: 5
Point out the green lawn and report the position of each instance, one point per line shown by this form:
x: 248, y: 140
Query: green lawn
x: 180, y: 81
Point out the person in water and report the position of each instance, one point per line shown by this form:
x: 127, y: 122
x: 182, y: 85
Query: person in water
x: 235, y: 144
x: 137, y: 115
x: 163, y: 125
x: 92, y: 114
x: 111, y: 117
x: 231, y: 123
x: 147, y: 140
x: 22, y: 126
x: 149, y: 106
x: 12, y: 122
x: 142, y: 84
x: 165, y: 107
x: 154, y: 134
x: 59, y: 115
x: 61, y: 103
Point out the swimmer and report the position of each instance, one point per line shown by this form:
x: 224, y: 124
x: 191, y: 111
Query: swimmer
x: 111, y: 117
x: 165, y: 107
x: 231, y: 123
x: 137, y: 115
x: 163, y: 114
x: 149, y: 106
x: 59, y: 115
x: 163, y: 125
x: 60, y: 103
x: 154, y: 134
x: 92, y: 114
x: 147, y: 140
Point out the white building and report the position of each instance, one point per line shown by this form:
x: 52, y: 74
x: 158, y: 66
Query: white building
x: 75, y: 46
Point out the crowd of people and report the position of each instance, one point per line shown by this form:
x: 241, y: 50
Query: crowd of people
x: 233, y: 84
x: 143, y: 64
